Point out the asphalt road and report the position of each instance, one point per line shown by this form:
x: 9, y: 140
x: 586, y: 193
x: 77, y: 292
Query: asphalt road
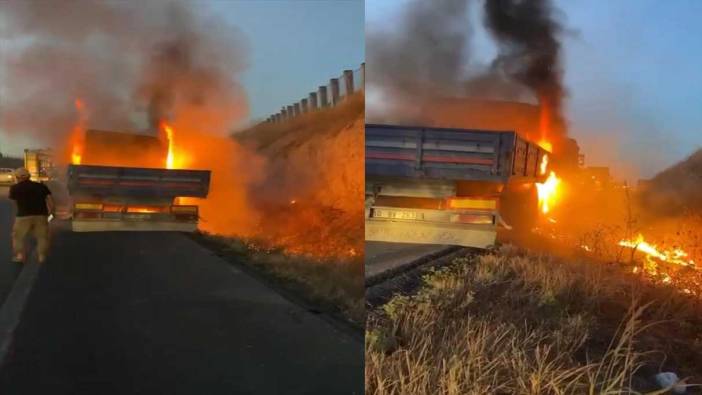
x: 381, y: 256
x: 156, y: 313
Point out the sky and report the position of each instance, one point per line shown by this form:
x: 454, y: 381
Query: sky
x: 633, y: 70
x: 294, y: 47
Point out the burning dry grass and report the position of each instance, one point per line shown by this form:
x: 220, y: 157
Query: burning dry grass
x: 311, y: 197
x: 511, y: 322
x: 665, y: 247
x: 304, y: 209
x: 609, y: 223
x: 664, y: 250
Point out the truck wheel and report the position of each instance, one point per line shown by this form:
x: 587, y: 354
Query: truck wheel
x: 519, y: 207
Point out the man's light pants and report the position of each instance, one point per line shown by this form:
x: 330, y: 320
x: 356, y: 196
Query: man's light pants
x: 37, y: 226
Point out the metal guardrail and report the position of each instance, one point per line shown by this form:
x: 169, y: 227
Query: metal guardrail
x: 329, y: 95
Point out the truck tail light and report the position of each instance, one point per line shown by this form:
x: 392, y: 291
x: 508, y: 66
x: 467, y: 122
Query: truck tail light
x: 112, y: 208
x: 88, y: 206
x: 460, y: 203
x: 144, y: 209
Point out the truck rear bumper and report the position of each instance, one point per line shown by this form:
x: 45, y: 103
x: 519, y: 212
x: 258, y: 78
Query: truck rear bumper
x: 479, y: 236
x: 132, y: 226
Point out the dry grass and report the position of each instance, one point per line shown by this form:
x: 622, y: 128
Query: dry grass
x: 514, y: 323
x: 310, y: 196
x: 333, y: 286
x: 671, y: 234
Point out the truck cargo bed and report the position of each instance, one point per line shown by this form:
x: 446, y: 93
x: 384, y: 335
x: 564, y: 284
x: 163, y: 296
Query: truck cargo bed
x: 452, y: 154
x: 107, y: 198
x: 134, y: 182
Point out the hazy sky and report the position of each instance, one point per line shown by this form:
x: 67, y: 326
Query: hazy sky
x: 634, y: 75
x: 294, y: 46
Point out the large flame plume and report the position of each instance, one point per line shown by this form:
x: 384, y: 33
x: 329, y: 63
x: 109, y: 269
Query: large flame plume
x: 180, y: 67
x: 77, y: 139
x: 548, y: 192
x: 170, y: 141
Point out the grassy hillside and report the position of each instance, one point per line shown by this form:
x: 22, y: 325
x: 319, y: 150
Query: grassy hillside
x: 312, y: 191
x: 309, y: 201
x: 512, y: 322
x: 676, y: 189
x: 278, y: 138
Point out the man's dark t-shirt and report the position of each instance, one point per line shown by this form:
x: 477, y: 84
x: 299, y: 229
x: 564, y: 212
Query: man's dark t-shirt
x: 30, y: 197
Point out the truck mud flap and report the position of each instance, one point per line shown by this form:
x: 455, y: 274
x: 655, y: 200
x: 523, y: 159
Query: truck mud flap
x: 132, y: 226
x: 430, y: 233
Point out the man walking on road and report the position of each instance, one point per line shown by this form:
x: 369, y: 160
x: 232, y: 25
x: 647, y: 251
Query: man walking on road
x: 34, y: 203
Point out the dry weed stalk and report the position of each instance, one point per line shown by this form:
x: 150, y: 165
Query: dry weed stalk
x: 501, y: 324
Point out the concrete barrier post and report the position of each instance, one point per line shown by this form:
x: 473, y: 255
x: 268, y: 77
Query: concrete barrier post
x: 303, y: 104
x: 283, y: 113
x: 362, y: 83
x: 313, y: 101
x: 323, y: 100
x: 348, y: 82
x: 334, y: 84
x: 297, y: 109
x: 291, y: 113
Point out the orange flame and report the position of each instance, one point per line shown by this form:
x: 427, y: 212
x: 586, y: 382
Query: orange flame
x: 549, y: 192
x: 543, y: 167
x: 144, y: 209
x: 544, y: 125
x: 78, y: 134
x: 76, y: 157
x: 170, y: 159
x: 676, y: 255
x: 546, y: 145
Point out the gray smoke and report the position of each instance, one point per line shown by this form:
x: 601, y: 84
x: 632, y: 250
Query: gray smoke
x: 428, y: 55
x: 122, y: 59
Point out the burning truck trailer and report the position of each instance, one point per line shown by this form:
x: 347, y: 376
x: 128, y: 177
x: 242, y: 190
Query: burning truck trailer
x: 453, y: 186
x: 118, y: 182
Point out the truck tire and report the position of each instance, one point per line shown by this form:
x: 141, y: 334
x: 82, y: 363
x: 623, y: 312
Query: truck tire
x: 519, y: 207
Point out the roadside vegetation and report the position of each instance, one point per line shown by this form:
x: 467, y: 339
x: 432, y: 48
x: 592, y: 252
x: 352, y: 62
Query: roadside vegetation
x: 514, y: 322
x: 304, y: 205
x: 330, y: 286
